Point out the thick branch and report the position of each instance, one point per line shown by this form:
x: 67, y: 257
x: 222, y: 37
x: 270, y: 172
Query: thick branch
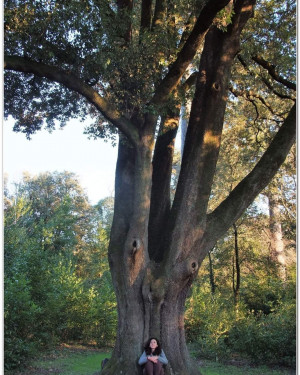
x: 161, y: 177
x: 124, y: 9
x: 187, y: 220
x: 272, y: 71
x: 276, y: 92
x: 187, y: 29
x: 189, y: 50
x: 73, y: 83
x: 245, y: 192
x: 159, y: 12
x: 146, y: 14
x: 207, y: 113
x: 191, y: 81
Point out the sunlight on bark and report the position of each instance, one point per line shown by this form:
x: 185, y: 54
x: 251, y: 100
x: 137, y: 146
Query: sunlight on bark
x: 211, y: 140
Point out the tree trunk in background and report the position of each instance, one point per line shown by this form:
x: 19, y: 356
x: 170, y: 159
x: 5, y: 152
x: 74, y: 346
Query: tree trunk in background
x: 211, y: 274
x: 236, y: 280
x: 277, y: 244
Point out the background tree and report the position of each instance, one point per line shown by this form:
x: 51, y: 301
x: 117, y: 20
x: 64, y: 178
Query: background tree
x: 56, y: 286
x: 124, y: 63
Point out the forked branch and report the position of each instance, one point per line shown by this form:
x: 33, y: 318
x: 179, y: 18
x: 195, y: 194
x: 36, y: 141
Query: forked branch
x: 188, y: 51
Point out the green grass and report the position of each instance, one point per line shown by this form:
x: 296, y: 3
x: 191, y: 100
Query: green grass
x: 213, y: 368
x: 82, y: 361
x: 89, y: 364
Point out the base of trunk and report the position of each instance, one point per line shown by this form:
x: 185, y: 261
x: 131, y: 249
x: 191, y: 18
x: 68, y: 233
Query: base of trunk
x: 115, y: 367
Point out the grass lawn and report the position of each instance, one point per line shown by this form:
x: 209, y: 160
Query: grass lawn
x: 73, y: 360
x: 74, y: 364
x: 213, y: 368
x: 77, y: 360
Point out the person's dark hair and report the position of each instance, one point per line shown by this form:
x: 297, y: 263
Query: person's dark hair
x: 157, y: 350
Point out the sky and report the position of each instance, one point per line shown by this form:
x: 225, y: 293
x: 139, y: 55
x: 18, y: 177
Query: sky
x: 67, y: 149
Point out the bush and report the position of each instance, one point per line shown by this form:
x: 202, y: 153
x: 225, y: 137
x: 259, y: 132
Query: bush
x: 269, y: 339
x: 20, y: 322
x: 261, y: 296
x: 102, y: 314
x: 208, y: 320
x: 217, y: 329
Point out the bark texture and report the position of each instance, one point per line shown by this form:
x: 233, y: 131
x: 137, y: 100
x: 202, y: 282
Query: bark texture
x: 236, y: 272
x: 159, y: 271
x: 277, y: 244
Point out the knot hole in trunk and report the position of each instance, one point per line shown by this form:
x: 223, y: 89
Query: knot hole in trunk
x: 194, y: 266
x: 136, y: 245
x: 216, y: 86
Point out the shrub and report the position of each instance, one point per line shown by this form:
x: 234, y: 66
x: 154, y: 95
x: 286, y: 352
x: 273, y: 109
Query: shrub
x: 208, y: 320
x: 217, y: 328
x: 20, y: 322
x: 269, y: 339
x: 102, y: 314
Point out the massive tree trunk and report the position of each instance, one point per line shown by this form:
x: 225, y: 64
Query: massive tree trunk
x: 152, y: 276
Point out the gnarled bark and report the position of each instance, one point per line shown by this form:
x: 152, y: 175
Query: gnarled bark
x: 152, y: 283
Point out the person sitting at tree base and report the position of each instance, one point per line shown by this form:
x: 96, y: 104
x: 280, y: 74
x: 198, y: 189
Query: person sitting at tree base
x: 153, y: 358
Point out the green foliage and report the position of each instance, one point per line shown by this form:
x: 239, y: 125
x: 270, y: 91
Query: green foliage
x: 105, y: 208
x: 263, y: 296
x: 218, y: 329
x: 208, y: 320
x: 92, y: 47
x: 268, y: 338
x: 260, y: 324
x: 261, y: 327
x: 21, y: 320
x: 57, y: 285
x: 102, y: 314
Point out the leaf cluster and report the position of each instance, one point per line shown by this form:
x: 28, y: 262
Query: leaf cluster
x: 93, y: 48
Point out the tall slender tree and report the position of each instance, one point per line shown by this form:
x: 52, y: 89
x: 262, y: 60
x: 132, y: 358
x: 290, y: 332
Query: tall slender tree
x: 276, y: 238
x: 125, y: 63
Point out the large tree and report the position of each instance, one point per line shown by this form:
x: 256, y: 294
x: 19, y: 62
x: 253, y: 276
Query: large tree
x: 131, y: 65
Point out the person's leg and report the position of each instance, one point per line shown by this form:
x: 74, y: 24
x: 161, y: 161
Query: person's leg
x: 149, y: 368
x: 158, y: 368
